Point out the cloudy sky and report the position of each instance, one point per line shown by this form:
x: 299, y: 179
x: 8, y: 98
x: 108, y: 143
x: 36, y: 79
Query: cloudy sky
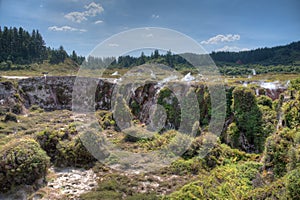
x: 229, y: 25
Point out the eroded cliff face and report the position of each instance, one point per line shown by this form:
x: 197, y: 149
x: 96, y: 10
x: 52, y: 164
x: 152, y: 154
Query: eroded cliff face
x: 10, y: 100
x: 55, y: 93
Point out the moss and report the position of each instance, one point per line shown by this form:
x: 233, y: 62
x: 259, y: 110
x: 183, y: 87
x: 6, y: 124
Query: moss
x: 65, y: 148
x: 171, y: 105
x: 135, y: 108
x: 102, y: 195
x: 106, y: 120
x: 160, y: 140
x: 22, y: 162
x: 36, y: 108
x: 204, y: 103
x: 112, y: 186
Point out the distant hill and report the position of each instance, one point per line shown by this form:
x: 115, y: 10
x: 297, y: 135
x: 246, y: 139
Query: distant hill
x: 280, y: 55
x: 19, y: 50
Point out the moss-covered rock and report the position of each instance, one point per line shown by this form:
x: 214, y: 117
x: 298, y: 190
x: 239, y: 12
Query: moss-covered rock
x: 65, y: 148
x: 49, y: 139
x: 22, y: 161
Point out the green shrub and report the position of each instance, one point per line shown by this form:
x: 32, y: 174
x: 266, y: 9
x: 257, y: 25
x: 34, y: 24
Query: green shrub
x: 49, y: 139
x: 17, y: 108
x: 74, y: 153
x: 248, y: 118
x: 291, y: 110
x: 293, y: 184
x: 64, y: 148
x: 265, y: 101
x: 182, y: 167
x: 10, y: 117
x: 233, y: 135
x: 278, y: 155
x: 36, y: 108
x: 22, y: 162
x: 225, y: 182
x: 274, y: 190
x: 269, y: 122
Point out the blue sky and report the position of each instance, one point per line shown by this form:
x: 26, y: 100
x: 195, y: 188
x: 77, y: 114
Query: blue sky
x: 232, y: 25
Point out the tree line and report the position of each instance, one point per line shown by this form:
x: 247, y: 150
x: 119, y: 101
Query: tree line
x: 18, y: 46
x: 127, y: 61
x: 280, y: 55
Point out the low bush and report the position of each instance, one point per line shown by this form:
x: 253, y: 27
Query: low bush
x: 22, y: 162
x: 10, y: 117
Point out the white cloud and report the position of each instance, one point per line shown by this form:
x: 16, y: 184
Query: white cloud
x: 113, y: 45
x: 65, y: 28
x: 98, y: 22
x: 154, y: 16
x: 232, y: 48
x: 222, y: 38
x: 92, y: 10
x: 76, y: 17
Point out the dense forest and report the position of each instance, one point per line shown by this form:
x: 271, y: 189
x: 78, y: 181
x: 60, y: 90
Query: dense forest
x: 281, y: 59
x: 18, y: 46
x: 280, y: 55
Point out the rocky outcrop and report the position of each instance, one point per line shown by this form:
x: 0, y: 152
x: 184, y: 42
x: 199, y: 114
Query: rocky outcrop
x: 10, y: 100
x: 55, y: 92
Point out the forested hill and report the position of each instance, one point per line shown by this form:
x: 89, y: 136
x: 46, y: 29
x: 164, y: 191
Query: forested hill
x: 18, y: 46
x: 280, y: 55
